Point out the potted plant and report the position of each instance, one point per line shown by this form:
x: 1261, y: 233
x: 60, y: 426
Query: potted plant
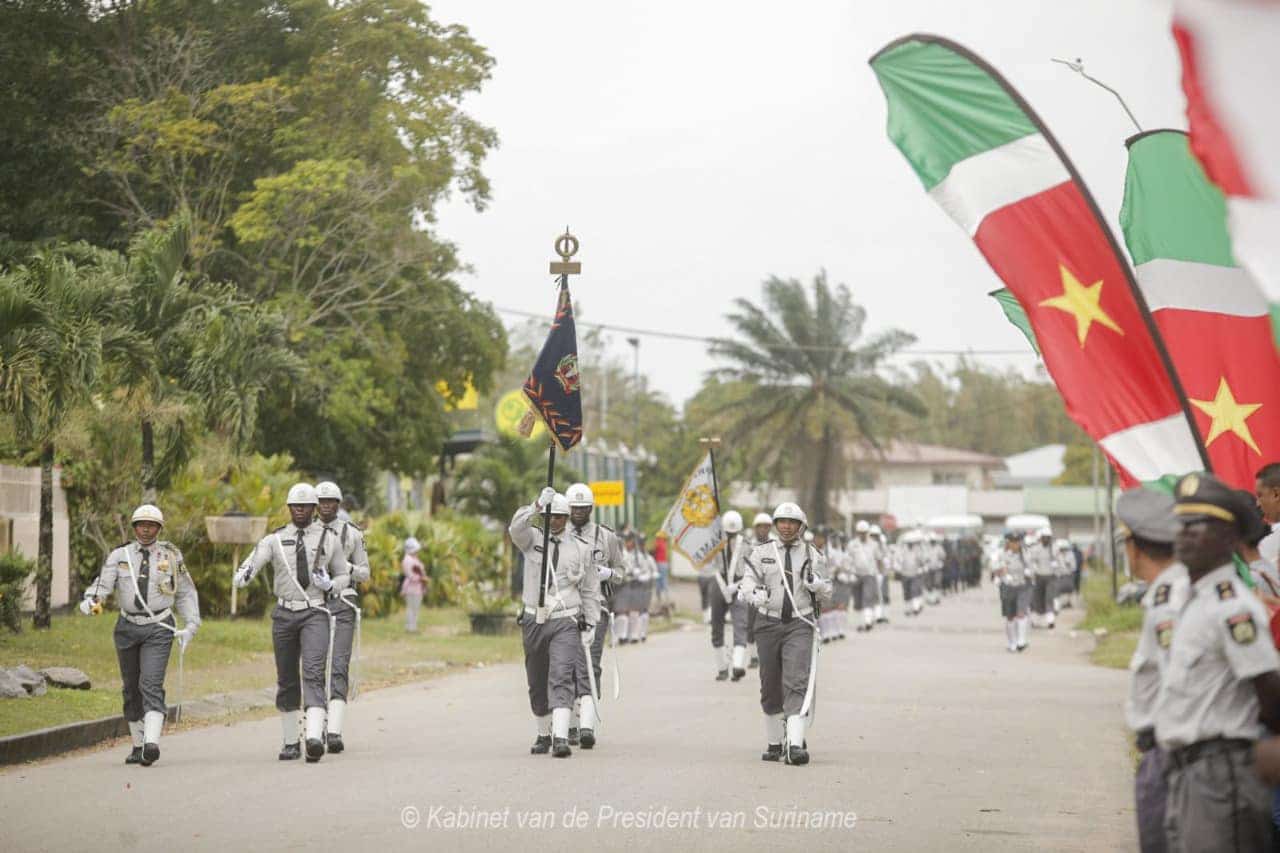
x: 487, y: 602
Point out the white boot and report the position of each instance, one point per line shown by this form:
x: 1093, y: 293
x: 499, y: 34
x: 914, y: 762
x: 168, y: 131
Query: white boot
x: 135, y: 733
x: 774, y: 729
x: 543, y: 725
x: 560, y: 723
x: 620, y: 627
x: 289, y: 727
x: 739, y: 662
x: 1011, y: 634
x: 722, y: 662
x: 644, y: 626
x: 587, y: 734
x: 706, y: 616
x: 315, y: 734
x: 879, y: 612
x: 797, y: 749
x: 337, y: 710
x: 1022, y: 631
x: 868, y: 618
x: 152, y: 723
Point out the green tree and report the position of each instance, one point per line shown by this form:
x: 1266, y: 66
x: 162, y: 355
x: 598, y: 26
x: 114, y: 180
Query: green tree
x: 57, y: 332
x: 807, y: 383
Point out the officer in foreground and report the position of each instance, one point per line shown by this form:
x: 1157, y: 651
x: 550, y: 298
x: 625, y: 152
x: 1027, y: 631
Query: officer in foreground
x: 150, y: 581
x: 1220, y: 689
x: 344, y: 604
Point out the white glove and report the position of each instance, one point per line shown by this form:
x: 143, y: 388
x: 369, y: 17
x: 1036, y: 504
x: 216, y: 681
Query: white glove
x: 759, y: 596
x: 185, y: 636
x: 813, y: 585
x: 241, y: 578
x: 321, y: 580
x: 86, y: 606
x: 544, y: 497
x: 731, y: 591
x: 588, y: 636
x: 604, y: 572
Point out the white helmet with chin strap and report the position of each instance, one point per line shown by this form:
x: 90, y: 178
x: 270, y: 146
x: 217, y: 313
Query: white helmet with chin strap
x: 790, y: 510
x: 328, y: 491
x: 560, y: 505
x: 579, y: 494
x: 762, y: 518
x: 302, y: 493
x: 147, y: 512
x: 862, y: 527
x: 732, y: 521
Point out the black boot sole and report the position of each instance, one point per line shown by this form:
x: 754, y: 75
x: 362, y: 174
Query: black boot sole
x: 150, y: 754
x: 315, y: 751
x: 334, y: 745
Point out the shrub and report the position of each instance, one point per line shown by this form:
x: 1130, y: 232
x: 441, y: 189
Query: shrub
x: 14, y: 571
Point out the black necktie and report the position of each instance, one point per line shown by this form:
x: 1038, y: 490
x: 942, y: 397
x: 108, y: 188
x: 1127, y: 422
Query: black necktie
x: 555, y: 553
x: 144, y: 581
x: 789, y: 583
x: 300, y: 563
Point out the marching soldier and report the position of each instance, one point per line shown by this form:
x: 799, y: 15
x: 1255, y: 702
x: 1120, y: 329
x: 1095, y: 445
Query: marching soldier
x: 863, y: 559
x: 884, y: 567
x: 834, y: 612
x: 935, y: 558
x: 1220, y: 690
x: 1148, y: 528
x: 911, y: 569
x: 306, y: 565
x: 1065, y: 563
x: 645, y: 580
x: 1044, y: 570
x: 558, y: 621
x: 785, y: 582
x: 150, y: 581
x: 725, y: 602
x: 1014, y: 577
x: 606, y: 556
x: 344, y: 605
x: 761, y: 532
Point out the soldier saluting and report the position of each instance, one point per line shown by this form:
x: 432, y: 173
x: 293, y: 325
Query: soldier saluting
x: 786, y: 582
x: 343, y: 604
x: 305, y: 565
x: 1219, y: 690
x: 150, y: 581
x: 558, y: 620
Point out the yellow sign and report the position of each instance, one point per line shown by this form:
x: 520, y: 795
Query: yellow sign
x: 510, y: 410
x: 468, y: 402
x: 609, y: 492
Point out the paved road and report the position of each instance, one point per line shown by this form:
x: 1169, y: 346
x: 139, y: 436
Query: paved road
x: 928, y: 731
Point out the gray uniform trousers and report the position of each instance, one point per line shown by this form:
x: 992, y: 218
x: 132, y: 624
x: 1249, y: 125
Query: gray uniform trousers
x: 1218, y: 803
x: 868, y: 591
x: 737, y: 614
x: 785, y: 650
x: 143, y: 652
x: 1149, y: 794
x: 554, y: 663
x: 1014, y: 599
x: 344, y: 634
x: 884, y: 590
x: 300, y: 636
x: 1042, y: 594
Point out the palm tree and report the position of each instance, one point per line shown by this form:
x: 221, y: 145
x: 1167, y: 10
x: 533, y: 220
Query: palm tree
x: 504, y: 475
x: 56, y: 332
x: 807, y: 384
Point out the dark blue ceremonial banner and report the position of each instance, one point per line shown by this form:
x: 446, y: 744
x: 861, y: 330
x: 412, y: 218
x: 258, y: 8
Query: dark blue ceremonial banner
x: 555, y: 386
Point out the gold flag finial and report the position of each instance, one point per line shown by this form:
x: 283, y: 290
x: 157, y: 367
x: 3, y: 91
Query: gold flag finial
x: 566, y: 248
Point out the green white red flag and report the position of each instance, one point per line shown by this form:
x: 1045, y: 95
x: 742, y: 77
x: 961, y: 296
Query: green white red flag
x: 1212, y: 314
x: 988, y: 160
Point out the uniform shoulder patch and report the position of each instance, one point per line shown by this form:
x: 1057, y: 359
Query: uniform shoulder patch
x: 1164, y: 633
x: 1162, y: 594
x: 281, y: 527
x: 1226, y: 590
x: 605, y: 526
x: 1242, y: 629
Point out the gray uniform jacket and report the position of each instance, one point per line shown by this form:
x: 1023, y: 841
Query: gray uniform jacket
x: 279, y: 549
x: 170, y: 584
x: 765, y: 568
x: 912, y: 562
x: 1040, y: 559
x: 742, y: 547
x: 1013, y: 568
x: 862, y: 558
x: 1161, y: 604
x: 573, y: 584
x: 351, y: 540
x: 1220, y: 644
x: 606, y: 546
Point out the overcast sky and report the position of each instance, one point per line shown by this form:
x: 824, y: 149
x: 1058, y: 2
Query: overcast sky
x: 697, y: 147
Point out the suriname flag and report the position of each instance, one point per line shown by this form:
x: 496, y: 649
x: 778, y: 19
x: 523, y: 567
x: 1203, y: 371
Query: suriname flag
x: 988, y: 160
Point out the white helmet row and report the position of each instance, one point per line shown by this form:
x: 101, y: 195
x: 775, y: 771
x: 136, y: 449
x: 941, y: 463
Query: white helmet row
x: 560, y: 505
x: 732, y: 521
x: 789, y: 510
x: 328, y: 491
x: 579, y: 494
x: 301, y: 493
x: 1045, y: 533
x: 862, y: 527
x: 876, y: 531
x: 762, y: 518
x: 147, y: 512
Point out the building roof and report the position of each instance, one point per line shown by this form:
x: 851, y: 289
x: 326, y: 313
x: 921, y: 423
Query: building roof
x: 898, y: 452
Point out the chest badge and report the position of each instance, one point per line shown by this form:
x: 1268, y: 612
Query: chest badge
x: 1225, y: 590
x: 1164, y: 634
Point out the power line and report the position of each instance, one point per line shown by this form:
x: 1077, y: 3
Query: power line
x: 680, y: 336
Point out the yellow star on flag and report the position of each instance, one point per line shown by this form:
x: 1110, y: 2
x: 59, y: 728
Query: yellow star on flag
x: 1228, y: 416
x: 1083, y: 303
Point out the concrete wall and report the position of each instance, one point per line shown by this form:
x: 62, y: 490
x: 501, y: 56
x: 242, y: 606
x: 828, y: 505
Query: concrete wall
x: 20, y: 506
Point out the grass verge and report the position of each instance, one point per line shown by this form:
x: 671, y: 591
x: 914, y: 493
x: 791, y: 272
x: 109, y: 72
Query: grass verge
x: 1121, y: 622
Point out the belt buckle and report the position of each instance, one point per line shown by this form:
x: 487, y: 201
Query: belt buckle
x: 540, y: 615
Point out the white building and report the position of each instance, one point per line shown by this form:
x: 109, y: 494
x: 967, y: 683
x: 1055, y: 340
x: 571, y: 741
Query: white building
x: 20, y: 528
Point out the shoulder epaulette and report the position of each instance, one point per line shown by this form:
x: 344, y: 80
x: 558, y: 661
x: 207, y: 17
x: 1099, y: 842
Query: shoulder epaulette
x: 1226, y: 590
x: 281, y: 527
x: 605, y: 526
x: 118, y: 547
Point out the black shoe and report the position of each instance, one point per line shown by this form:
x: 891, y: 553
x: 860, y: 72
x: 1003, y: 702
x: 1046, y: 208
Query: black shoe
x: 587, y: 738
x: 861, y: 629
x: 315, y: 750
x: 150, y: 754
x: 870, y: 627
x: 1051, y: 624
x: 560, y: 748
x: 334, y: 743
x: 755, y: 663
x: 722, y: 675
x: 772, y: 752
x: 645, y: 638
x: 135, y: 756
x: 738, y: 674
x: 290, y: 752
x: 541, y: 746
x: 573, y: 736
x: 826, y: 640
x: 883, y: 620
x: 798, y: 755
x: 1022, y: 647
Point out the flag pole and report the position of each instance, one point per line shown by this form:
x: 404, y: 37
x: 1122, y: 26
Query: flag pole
x: 546, y: 523
x: 711, y: 444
